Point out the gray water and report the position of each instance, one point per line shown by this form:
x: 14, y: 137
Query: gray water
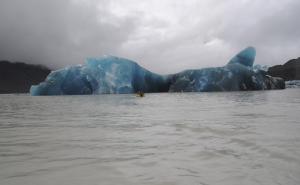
x: 232, y: 138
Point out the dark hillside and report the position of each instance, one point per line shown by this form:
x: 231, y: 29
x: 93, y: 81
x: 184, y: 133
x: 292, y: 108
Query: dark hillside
x: 288, y: 71
x: 18, y: 77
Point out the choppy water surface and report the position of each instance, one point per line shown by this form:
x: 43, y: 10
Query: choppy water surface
x: 231, y: 138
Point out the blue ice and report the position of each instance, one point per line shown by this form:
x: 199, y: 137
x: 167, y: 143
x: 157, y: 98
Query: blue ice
x: 114, y: 75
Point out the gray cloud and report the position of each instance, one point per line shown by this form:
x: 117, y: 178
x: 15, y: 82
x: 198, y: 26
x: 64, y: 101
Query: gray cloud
x: 164, y: 36
x: 58, y: 33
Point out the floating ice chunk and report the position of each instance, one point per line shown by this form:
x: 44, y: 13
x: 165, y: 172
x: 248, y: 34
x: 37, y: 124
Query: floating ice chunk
x: 106, y: 75
x: 110, y: 75
x: 237, y: 75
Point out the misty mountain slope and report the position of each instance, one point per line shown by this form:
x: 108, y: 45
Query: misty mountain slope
x: 288, y: 71
x: 18, y: 77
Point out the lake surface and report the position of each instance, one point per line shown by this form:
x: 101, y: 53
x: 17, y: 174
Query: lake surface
x: 232, y: 138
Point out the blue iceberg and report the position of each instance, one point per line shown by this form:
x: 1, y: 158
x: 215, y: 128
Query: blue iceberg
x: 106, y: 75
x: 238, y: 74
x: 114, y: 75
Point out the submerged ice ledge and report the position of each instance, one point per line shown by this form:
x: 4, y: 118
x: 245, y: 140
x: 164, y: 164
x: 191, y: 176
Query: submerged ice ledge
x: 113, y: 75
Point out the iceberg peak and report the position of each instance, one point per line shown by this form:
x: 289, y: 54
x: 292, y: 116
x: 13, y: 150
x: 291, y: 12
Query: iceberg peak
x: 246, y: 57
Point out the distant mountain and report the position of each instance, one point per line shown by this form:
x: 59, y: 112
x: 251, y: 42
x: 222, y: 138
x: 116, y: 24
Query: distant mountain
x: 288, y: 71
x: 18, y: 77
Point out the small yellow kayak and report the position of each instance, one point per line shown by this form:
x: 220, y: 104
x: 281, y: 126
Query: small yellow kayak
x: 140, y: 94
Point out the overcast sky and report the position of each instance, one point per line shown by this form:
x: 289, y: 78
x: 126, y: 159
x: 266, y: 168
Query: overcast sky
x: 164, y: 36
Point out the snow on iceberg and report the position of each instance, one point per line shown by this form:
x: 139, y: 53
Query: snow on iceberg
x: 113, y: 75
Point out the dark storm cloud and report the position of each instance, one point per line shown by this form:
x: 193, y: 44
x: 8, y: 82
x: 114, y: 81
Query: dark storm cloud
x: 57, y: 33
x: 164, y: 36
